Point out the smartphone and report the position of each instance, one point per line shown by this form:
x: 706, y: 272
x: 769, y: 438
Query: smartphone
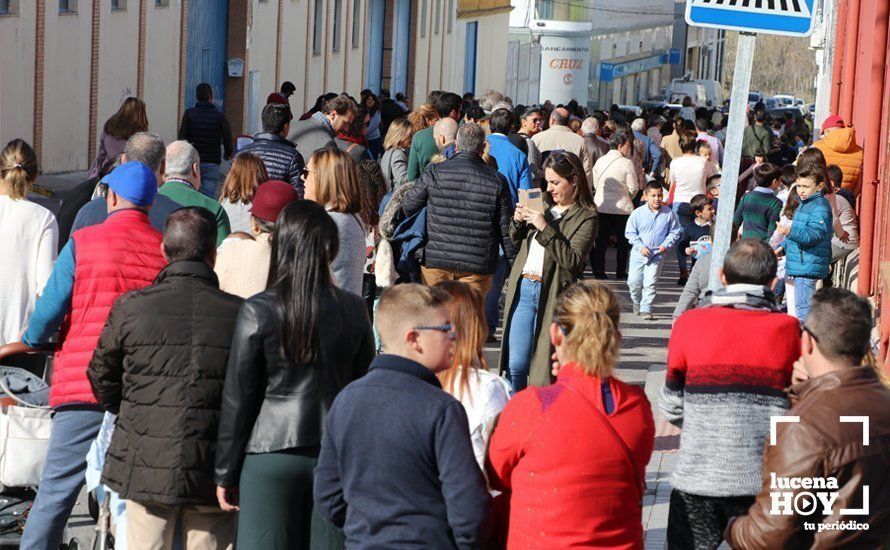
x: 533, y: 199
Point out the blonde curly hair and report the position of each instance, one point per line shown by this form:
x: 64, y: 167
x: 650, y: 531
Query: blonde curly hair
x: 589, y: 315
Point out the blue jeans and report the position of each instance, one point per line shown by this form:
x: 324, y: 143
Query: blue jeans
x: 804, y: 288
x: 684, y: 214
x: 642, y: 277
x: 72, y: 433
x: 522, y: 332
x: 494, y: 295
x: 210, y: 177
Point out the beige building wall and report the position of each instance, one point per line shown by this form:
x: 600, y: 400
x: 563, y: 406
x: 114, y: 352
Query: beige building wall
x: 441, y: 54
x: 491, y: 52
x: 294, y: 41
x: 331, y: 69
x: 17, y: 50
x: 162, y: 67
x: 66, y: 100
x: 118, y: 54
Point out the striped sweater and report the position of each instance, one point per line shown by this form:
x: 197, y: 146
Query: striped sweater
x: 727, y: 368
x: 758, y: 211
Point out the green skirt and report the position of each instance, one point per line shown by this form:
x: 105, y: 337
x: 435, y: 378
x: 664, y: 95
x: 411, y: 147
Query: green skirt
x: 277, y: 511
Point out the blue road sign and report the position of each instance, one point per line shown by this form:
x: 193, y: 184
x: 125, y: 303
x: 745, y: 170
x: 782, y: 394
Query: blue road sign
x: 788, y: 17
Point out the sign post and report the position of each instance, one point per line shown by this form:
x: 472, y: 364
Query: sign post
x: 732, y: 156
x: 785, y: 17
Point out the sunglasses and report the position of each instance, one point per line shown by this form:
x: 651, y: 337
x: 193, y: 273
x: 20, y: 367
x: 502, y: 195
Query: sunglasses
x: 304, y: 173
x: 806, y: 329
x: 447, y: 327
x: 103, y: 189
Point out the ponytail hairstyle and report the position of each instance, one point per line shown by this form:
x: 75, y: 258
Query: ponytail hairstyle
x: 588, y: 313
x: 18, y: 168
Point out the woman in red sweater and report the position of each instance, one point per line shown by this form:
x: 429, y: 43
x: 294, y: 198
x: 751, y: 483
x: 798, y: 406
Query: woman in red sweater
x: 572, y: 456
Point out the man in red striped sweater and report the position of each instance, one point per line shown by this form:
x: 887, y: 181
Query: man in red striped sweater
x: 729, y: 362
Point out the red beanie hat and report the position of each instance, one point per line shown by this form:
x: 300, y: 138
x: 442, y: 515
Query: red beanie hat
x: 271, y: 198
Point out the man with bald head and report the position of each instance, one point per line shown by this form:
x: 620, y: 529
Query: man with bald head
x: 182, y: 182
x: 445, y: 134
x: 560, y: 136
x: 149, y: 150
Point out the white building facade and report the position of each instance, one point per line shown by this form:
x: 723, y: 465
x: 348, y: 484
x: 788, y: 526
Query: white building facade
x: 621, y: 50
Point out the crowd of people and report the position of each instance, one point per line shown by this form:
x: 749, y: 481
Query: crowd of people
x: 280, y: 343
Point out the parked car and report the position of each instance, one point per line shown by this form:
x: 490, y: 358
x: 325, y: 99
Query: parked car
x: 630, y: 111
x: 784, y: 99
x: 754, y: 98
x: 654, y: 102
x: 781, y: 112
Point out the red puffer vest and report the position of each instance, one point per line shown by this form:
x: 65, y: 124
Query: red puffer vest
x: 119, y: 255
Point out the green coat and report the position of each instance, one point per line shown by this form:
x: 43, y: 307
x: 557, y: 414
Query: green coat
x: 567, y: 243
x: 185, y: 195
x: 423, y: 148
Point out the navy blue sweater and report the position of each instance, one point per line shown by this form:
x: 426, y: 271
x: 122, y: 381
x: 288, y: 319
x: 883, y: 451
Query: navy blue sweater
x: 397, y: 468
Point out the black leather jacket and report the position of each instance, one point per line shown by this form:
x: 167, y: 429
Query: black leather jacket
x: 270, y: 404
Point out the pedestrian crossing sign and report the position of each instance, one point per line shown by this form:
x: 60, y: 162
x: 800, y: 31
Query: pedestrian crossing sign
x: 788, y: 17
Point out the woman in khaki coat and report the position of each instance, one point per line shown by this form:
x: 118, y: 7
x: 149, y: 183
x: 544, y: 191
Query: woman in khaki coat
x: 553, y: 249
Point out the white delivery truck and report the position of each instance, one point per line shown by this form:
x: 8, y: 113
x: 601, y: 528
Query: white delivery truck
x: 713, y: 92
x: 682, y: 87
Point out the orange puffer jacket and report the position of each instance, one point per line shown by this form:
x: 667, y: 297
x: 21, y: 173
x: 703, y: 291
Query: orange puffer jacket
x: 839, y: 147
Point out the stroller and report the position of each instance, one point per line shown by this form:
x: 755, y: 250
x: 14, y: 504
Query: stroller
x: 24, y: 394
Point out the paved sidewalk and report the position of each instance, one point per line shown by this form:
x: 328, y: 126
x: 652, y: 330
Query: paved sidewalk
x: 643, y: 362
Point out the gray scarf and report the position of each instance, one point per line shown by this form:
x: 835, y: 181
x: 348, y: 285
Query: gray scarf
x: 742, y: 296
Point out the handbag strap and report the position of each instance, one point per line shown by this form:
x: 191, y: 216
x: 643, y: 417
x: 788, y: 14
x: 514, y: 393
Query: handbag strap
x: 641, y: 484
x: 16, y: 398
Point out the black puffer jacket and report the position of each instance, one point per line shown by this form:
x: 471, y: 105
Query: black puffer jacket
x: 282, y: 160
x: 161, y: 365
x: 468, y: 214
x: 206, y: 128
x: 271, y: 404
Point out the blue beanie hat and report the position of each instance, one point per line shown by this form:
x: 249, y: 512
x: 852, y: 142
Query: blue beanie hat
x: 133, y: 181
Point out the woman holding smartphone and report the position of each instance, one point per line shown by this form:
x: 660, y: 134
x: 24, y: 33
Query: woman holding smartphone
x: 554, y: 245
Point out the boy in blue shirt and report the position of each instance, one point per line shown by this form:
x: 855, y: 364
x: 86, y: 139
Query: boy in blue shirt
x: 652, y: 230
x: 808, y: 242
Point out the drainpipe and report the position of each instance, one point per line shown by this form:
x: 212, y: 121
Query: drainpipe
x: 875, y: 39
x: 851, y: 44
x: 837, y: 65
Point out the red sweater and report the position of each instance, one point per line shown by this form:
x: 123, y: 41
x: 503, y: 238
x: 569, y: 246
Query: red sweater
x: 569, y: 481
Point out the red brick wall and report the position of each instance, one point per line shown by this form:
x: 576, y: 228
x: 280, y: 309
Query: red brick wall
x: 236, y: 88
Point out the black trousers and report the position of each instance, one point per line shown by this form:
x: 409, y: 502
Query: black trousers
x: 609, y: 225
x: 697, y: 523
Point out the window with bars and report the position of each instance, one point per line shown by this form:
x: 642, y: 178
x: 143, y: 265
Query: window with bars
x: 9, y: 7
x: 335, y: 35
x: 356, y: 20
x: 162, y: 3
x: 118, y: 5
x: 67, y: 6
x: 317, y: 26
